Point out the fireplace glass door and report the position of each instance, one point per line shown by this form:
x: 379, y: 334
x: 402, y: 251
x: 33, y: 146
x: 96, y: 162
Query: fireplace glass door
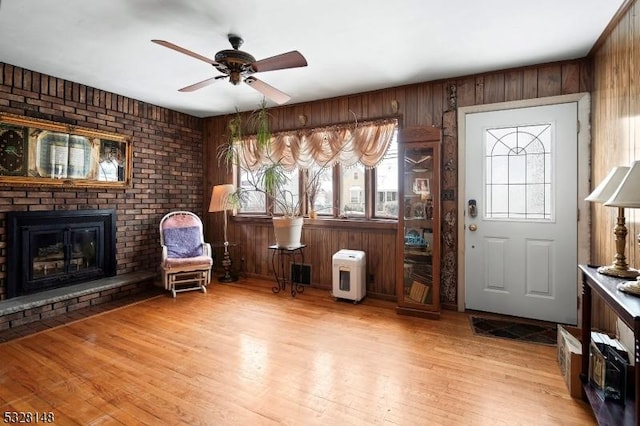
x: 46, y: 259
x: 84, y: 243
x: 61, y: 252
x: 70, y: 253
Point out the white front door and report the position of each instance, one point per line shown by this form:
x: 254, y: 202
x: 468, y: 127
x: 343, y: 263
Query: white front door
x: 521, y: 246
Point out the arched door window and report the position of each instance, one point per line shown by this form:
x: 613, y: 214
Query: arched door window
x: 518, y: 173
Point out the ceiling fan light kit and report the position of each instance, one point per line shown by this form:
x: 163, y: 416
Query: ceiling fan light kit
x: 239, y: 66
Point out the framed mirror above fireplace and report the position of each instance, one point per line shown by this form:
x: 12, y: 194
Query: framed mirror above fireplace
x: 39, y: 152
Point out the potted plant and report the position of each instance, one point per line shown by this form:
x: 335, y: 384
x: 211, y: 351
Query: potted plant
x: 269, y: 178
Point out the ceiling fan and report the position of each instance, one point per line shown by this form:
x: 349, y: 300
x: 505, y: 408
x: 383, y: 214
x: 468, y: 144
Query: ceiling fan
x: 239, y: 66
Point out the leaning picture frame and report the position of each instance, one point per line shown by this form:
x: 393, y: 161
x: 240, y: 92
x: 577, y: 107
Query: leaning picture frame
x: 45, y: 153
x: 422, y: 186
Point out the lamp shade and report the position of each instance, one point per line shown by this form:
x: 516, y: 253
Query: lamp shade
x: 220, y: 197
x: 628, y: 192
x: 608, y: 186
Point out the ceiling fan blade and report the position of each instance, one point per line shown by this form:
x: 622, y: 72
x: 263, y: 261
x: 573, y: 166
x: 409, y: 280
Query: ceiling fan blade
x: 267, y: 90
x: 293, y: 59
x: 185, y: 51
x: 201, y: 84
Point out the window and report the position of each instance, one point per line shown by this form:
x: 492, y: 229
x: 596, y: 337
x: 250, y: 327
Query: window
x: 352, y: 192
x: 355, y: 196
x: 386, y: 182
x: 355, y: 190
x: 254, y: 201
x: 320, y: 190
x: 290, y: 191
x: 518, y: 172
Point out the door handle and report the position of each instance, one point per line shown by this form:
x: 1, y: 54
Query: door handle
x: 473, y: 227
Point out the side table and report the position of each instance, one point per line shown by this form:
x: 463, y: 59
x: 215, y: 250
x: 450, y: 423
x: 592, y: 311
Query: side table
x: 278, y: 255
x: 627, y: 308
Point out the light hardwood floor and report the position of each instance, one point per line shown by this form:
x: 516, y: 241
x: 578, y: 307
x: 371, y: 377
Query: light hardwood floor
x: 242, y: 355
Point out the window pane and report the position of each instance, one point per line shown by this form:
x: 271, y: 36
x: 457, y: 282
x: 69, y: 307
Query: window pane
x: 352, y: 191
x: 387, y: 183
x: 536, y: 201
x: 290, y: 193
x: 253, y: 201
x: 517, y: 169
x: 517, y: 204
x: 499, y: 201
x: 321, y: 181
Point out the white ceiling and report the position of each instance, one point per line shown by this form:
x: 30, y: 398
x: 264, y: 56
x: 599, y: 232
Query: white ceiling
x: 351, y: 45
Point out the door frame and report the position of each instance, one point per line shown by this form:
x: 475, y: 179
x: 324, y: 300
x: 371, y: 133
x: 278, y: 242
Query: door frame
x: 584, y: 172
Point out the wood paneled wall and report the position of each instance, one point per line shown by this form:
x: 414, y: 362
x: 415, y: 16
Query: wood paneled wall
x: 424, y: 104
x: 323, y: 240
x: 615, y: 137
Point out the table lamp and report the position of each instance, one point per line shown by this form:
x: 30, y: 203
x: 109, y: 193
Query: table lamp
x: 220, y: 203
x: 602, y: 194
x: 628, y: 195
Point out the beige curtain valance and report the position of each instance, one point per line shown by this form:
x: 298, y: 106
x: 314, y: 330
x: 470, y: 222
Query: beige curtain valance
x: 364, y: 143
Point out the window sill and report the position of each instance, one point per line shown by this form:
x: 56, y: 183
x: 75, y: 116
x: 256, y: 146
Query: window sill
x: 328, y: 222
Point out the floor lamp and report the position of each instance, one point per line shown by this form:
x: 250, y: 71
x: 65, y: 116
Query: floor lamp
x: 602, y: 194
x: 220, y: 203
x: 628, y: 196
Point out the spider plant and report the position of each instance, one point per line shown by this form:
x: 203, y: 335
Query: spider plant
x: 270, y: 178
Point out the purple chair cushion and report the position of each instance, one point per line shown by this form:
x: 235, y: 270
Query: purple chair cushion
x: 183, y: 242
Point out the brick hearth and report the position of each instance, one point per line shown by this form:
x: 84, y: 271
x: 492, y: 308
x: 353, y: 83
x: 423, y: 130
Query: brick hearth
x: 46, y: 305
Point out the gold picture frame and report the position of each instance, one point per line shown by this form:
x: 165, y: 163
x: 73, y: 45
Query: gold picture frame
x: 39, y: 152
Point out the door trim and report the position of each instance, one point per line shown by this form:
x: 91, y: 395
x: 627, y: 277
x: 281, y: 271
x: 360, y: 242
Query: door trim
x: 584, y: 156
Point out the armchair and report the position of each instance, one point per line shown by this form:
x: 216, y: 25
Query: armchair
x: 186, y: 258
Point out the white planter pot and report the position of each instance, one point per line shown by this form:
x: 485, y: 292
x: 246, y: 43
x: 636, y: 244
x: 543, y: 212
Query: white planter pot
x: 288, y: 231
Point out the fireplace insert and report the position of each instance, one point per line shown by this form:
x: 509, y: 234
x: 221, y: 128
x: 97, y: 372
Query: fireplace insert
x: 58, y: 248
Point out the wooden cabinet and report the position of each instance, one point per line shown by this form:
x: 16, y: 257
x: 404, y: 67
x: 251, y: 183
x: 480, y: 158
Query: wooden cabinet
x: 418, y: 269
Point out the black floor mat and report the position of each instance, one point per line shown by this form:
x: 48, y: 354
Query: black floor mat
x: 545, y: 334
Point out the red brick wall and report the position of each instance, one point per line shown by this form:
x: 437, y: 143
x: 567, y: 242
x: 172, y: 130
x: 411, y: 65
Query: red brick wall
x: 167, y: 161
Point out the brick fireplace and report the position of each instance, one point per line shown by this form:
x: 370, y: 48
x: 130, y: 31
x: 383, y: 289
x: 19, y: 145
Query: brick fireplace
x: 167, y: 174
x: 51, y: 249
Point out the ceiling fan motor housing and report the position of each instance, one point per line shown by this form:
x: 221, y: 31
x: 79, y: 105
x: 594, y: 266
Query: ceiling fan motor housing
x: 235, y: 63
